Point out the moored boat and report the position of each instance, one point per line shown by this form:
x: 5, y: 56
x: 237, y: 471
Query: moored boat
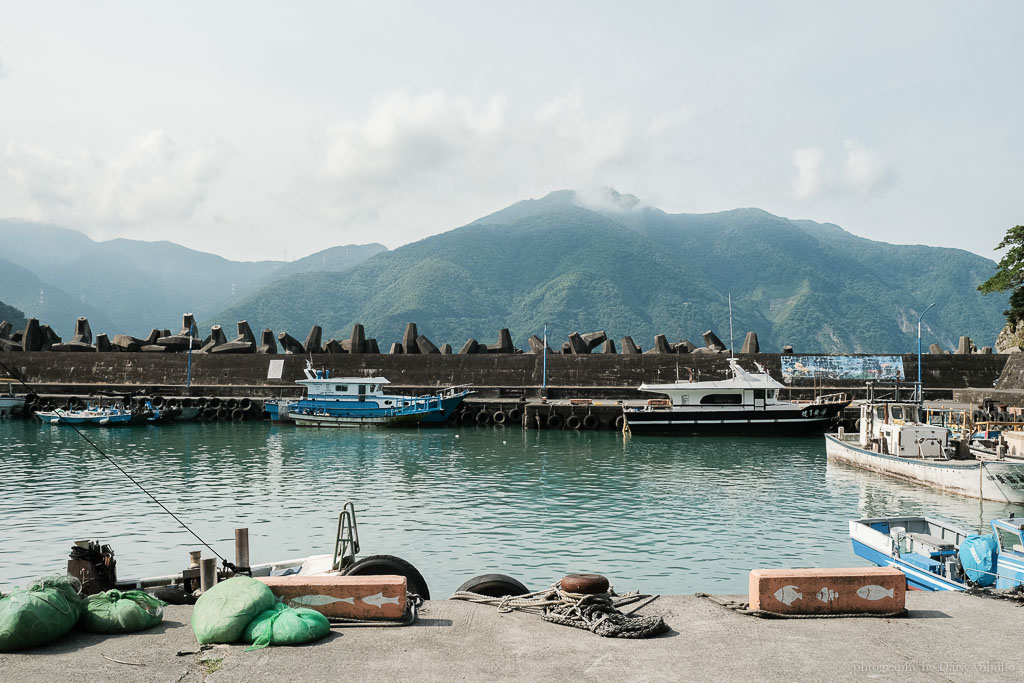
x: 893, y: 440
x: 937, y: 555
x: 9, y: 403
x: 355, y: 401
x: 105, y: 416
x: 748, y: 403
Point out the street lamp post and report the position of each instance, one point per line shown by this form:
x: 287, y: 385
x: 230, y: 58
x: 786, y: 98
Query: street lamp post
x: 921, y: 397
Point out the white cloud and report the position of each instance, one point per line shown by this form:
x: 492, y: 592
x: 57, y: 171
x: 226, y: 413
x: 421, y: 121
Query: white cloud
x: 809, y: 171
x: 863, y: 171
x: 152, y: 181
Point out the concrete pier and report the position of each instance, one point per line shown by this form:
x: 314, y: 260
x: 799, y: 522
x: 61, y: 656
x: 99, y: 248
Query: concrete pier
x: 945, y: 636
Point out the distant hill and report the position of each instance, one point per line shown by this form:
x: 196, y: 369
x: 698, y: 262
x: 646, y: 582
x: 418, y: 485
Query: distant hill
x: 133, y: 286
x: 627, y: 268
x: 12, y: 315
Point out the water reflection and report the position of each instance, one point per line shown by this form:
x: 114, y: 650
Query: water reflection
x: 664, y: 515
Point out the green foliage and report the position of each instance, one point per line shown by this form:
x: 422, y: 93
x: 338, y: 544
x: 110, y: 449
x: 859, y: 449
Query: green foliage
x: 1010, y: 274
x: 640, y: 272
x: 12, y: 315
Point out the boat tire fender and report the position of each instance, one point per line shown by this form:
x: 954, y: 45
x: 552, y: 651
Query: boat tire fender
x: 619, y: 421
x: 245, y: 404
x: 500, y: 417
x: 573, y: 422
x: 231, y: 403
x: 222, y: 413
x: 483, y: 417
x: 378, y: 565
x: 978, y: 415
x: 158, y: 401
x: 589, y: 421
x: 213, y: 403
x: 31, y: 398
x: 554, y: 421
x: 514, y: 415
x: 494, y: 586
x: 237, y: 414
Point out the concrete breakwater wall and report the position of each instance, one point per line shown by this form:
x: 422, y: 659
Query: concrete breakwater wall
x: 613, y: 376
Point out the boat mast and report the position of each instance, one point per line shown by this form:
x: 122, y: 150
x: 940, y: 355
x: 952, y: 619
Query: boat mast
x: 732, y: 347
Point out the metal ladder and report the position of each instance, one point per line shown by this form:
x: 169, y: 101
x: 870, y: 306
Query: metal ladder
x: 346, y: 543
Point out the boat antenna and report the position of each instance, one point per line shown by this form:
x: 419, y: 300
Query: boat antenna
x: 732, y: 347
x: 99, y: 450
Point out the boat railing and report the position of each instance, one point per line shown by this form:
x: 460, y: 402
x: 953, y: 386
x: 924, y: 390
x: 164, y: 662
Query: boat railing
x: 830, y: 398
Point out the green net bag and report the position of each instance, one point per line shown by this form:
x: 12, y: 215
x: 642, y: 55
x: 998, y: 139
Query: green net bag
x: 283, y: 625
x: 114, y: 611
x: 38, y: 614
x: 222, y: 613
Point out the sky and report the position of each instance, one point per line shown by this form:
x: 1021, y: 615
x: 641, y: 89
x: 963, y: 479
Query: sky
x: 272, y: 130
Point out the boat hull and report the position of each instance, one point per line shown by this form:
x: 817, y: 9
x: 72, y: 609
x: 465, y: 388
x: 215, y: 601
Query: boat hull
x: 11, y: 405
x: 422, y: 412
x: 917, y: 579
x: 118, y: 420
x: 795, y: 420
x: 1000, y: 481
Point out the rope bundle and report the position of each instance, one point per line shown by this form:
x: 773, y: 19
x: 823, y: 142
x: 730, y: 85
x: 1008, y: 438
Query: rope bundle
x: 595, y: 613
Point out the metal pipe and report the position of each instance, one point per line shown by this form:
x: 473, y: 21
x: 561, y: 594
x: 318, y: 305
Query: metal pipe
x: 241, y: 548
x: 207, y: 573
x: 919, y: 388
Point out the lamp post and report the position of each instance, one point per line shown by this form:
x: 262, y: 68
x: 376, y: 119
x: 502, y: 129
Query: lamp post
x: 921, y: 397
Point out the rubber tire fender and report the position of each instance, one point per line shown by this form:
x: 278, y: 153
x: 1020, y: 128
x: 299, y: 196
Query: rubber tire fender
x: 554, y: 421
x: 619, y: 421
x: 245, y: 404
x: 378, y: 565
x: 222, y: 413
x: 213, y: 403
x: 237, y: 414
x: 589, y: 421
x: 573, y: 422
x: 158, y: 401
x: 483, y: 417
x: 499, y: 417
x: 231, y: 403
x: 31, y: 398
x: 514, y: 415
x: 494, y: 586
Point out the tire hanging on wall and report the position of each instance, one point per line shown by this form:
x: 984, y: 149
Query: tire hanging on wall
x: 573, y: 422
x: 483, y: 417
x: 514, y: 415
x: 589, y: 421
x: 554, y: 421
x: 499, y: 417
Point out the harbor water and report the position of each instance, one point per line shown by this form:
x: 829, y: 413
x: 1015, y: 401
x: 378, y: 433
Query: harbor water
x: 662, y: 515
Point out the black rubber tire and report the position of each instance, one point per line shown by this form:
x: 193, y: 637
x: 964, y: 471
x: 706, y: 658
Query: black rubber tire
x: 222, y: 413
x: 978, y: 415
x: 483, y: 417
x: 573, y: 422
x: 237, y: 414
x: 31, y: 399
x: 554, y: 421
x: 619, y: 421
x: 231, y: 403
x: 208, y: 413
x: 378, y: 565
x: 589, y: 422
x: 172, y: 403
x: 494, y: 586
x: 514, y: 415
x: 213, y: 403
x: 158, y: 401
x: 499, y: 417
x: 245, y: 404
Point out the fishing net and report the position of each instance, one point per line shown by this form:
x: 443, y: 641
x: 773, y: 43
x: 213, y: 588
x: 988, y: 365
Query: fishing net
x: 283, y: 625
x: 222, y: 613
x: 43, y: 611
x: 114, y: 611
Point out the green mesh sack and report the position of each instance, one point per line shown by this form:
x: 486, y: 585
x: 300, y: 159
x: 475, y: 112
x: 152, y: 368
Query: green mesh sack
x: 222, y: 613
x: 283, y: 625
x: 41, y: 612
x: 121, y: 612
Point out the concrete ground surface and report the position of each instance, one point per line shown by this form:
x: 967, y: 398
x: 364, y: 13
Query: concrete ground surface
x: 946, y: 637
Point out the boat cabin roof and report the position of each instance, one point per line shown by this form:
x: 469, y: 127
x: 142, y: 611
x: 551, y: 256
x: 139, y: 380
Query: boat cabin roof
x: 741, y: 379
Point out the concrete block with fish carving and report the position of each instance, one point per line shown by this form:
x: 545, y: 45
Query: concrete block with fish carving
x: 347, y: 597
x: 878, y: 590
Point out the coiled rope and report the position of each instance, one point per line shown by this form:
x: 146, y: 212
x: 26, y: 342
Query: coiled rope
x: 598, y: 613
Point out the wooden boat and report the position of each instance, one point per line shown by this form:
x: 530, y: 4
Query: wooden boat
x: 9, y: 403
x: 748, y: 403
x: 894, y: 440
x: 931, y: 552
x: 356, y: 401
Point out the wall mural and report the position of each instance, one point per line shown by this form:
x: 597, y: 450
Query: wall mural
x: 842, y: 367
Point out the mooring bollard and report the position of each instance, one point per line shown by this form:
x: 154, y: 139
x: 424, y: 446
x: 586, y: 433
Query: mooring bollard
x: 194, y: 556
x: 207, y: 574
x: 241, y: 548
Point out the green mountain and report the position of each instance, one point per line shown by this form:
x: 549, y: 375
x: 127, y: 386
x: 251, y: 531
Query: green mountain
x: 627, y: 268
x: 133, y: 286
x: 12, y: 315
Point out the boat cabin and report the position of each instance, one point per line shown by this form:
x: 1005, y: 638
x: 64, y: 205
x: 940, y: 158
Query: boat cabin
x: 743, y: 389
x: 320, y: 384
x: 893, y: 428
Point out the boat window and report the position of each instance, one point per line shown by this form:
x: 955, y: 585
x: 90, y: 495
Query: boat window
x: 721, y: 399
x: 759, y: 394
x: 1009, y: 540
x: 897, y: 412
x: 880, y: 412
x: 771, y: 394
x: 341, y: 387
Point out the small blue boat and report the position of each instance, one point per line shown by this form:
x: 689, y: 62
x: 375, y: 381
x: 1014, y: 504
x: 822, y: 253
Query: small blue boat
x: 939, y: 556
x: 104, y: 416
x: 356, y: 401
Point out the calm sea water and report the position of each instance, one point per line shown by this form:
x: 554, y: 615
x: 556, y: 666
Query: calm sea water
x: 663, y: 515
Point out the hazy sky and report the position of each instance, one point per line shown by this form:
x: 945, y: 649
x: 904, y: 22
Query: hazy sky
x: 273, y: 130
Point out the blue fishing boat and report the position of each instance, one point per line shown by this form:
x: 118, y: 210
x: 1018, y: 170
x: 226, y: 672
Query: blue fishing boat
x: 939, y: 556
x: 355, y: 401
x: 104, y: 416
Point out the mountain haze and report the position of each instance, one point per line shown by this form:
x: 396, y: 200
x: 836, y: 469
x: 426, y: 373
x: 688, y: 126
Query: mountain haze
x: 612, y: 263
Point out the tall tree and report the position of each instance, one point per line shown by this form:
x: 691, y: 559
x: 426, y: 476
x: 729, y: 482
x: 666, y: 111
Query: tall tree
x: 1010, y: 274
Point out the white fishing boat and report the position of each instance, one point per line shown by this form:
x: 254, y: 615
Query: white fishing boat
x: 895, y: 441
x: 103, y: 416
x: 9, y: 403
x: 747, y: 403
x: 355, y: 401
